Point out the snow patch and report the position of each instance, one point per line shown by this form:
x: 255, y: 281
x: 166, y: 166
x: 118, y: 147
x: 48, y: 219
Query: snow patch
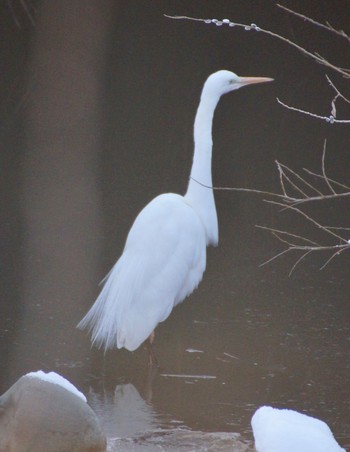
x: 52, y: 377
x: 286, y: 430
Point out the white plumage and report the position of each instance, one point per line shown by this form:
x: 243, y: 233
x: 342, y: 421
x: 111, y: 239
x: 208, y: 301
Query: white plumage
x: 165, y: 252
x: 164, y: 266
x: 282, y: 430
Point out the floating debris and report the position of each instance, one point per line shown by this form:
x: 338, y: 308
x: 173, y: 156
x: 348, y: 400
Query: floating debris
x: 197, y: 377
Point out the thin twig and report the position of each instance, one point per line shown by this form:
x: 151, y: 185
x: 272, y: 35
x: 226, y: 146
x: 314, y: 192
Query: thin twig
x: 327, y: 27
x: 336, y: 90
x: 186, y: 18
x: 334, y: 182
x: 339, y: 228
x: 319, y: 58
x: 285, y: 197
x: 298, y: 262
x: 246, y: 190
x: 276, y: 256
x: 284, y: 176
x: 301, y: 179
x: 289, y: 239
x: 310, y: 219
x: 339, y: 251
x: 323, y: 168
x: 330, y: 119
x: 343, y: 71
x: 28, y: 12
x: 289, y: 234
x: 280, y: 173
x: 305, y: 248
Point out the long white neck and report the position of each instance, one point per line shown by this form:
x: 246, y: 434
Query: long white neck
x: 199, y: 192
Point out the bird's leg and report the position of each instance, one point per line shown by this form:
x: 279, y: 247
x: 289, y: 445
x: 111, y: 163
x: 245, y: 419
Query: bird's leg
x: 152, y: 372
x: 152, y: 360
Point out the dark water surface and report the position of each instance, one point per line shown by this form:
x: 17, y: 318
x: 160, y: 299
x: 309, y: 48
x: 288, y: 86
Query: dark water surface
x: 246, y: 338
x: 97, y: 118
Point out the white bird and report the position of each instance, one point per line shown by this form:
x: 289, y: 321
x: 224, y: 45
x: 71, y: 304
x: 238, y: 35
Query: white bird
x: 285, y: 430
x: 165, y: 252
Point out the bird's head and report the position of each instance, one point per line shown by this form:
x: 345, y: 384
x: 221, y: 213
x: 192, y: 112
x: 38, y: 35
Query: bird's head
x: 222, y: 82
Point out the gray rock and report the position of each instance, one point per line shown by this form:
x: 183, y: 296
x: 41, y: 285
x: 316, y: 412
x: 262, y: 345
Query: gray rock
x: 37, y: 415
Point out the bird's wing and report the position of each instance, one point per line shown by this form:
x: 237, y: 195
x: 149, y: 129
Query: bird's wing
x: 163, y: 261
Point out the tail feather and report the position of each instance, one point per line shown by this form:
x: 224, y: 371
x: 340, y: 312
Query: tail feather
x: 111, y: 318
x: 102, y: 319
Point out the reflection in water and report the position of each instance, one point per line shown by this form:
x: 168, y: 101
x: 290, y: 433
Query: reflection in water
x: 123, y: 413
x: 131, y: 423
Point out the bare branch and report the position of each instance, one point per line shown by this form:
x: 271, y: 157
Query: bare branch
x: 287, y: 198
x: 306, y: 250
x: 314, y: 55
x: 278, y: 232
x: 287, y: 250
x: 283, y: 177
x: 276, y: 195
x: 298, y: 190
x: 330, y: 119
x: 282, y: 168
x: 336, y: 90
x: 319, y: 198
x: 299, y: 243
x: 246, y: 190
x: 340, y: 250
x: 338, y: 228
x: 319, y: 59
x: 310, y: 219
x: 334, y: 182
x: 326, y: 26
x: 187, y: 18
x: 280, y: 172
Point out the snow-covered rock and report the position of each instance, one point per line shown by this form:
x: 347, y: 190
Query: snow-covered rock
x: 46, y: 413
x: 57, y: 379
x: 282, y: 430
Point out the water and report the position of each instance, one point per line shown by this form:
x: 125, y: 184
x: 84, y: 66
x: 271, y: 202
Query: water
x: 236, y: 344
x: 281, y: 350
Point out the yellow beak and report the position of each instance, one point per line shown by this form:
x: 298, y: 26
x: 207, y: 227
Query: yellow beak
x: 252, y: 80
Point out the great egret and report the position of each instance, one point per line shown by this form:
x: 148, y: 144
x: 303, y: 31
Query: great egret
x: 165, y: 252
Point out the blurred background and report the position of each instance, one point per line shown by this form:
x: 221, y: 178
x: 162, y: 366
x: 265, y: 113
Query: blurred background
x: 97, y: 102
